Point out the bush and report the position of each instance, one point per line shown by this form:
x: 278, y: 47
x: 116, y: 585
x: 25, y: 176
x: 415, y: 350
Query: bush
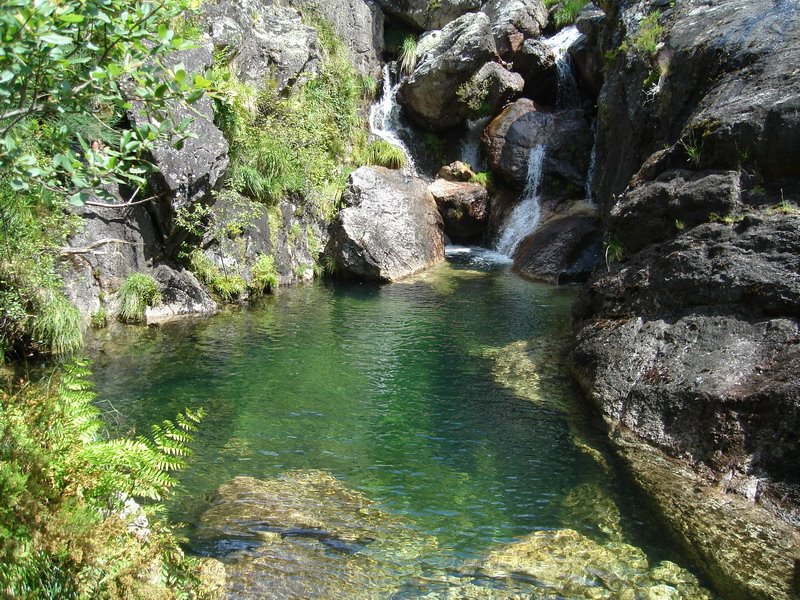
x: 62, y: 488
x: 265, y: 274
x: 384, y: 154
x: 137, y: 293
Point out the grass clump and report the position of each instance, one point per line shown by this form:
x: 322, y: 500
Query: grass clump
x: 265, y: 274
x: 99, y: 319
x: 408, y: 55
x: 63, y: 485
x: 382, y: 153
x: 566, y: 11
x: 484, y: 178
x: 137, y: 292
x: 229, y: 287
x: 647, y: 37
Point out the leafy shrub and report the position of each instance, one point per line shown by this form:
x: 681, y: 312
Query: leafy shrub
x: 62, y: 486
x: 137, y: 292
x: 484, y: 178
x: 265, y: 274
x: 384, y: 154
x: 474, y: 95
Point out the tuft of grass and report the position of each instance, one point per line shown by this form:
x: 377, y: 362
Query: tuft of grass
x: 228, y: 287
x: 484, y: 178
x: 648, y: 36
x: 57, y: 326
x: 265, y: 274
x: 137, y: 292
x: 693, y: 148
x: 384, y: 154
x: 369, y: 87
x: 566, y: 12
x: 99, y: 319
x: 408, y: 55
x: 614, y: 251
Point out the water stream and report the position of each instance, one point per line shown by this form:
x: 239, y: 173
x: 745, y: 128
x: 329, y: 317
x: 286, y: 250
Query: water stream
x: 524, y: 219
x: 567, y: 91
x: 446, y: 399
x: 384, y: 118
x: 471, y: 151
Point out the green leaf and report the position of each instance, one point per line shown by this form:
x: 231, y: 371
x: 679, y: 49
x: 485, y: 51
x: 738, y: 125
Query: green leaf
x: 195, y: 96
x: 79, y: 199
x: 56, y: 39
x: 71, y: 18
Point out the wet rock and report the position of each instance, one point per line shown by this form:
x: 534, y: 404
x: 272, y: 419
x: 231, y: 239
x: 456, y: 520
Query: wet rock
x: 522, y: 126
x: 497, y: 86
x: 536, y: 63
x: 464, y: 208
x: 389, y: 229
x: 586, y: 53
x: 457, y: 171
x: 306, y: 535
x: 264, y: 40
x: 565, y: 563
x: 359, y: 23
x: 564, y: 249
x: 515, y: 21
x: 181, y: 295
x: 746, y: 551
x: 425, y: 15
x: 188, y: 174
x: 656, y: 210
x: 448, y: 59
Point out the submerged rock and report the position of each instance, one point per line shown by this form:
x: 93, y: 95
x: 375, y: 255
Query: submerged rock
x: 390, y: 227
x: 565, y: 135
x: 566, y: 564
x: 464, y: 208
x: 306, y: 535
x: 448, y: 59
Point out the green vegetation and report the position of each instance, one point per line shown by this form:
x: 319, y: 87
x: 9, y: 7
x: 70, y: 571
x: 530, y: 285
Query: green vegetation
x: 484, y: 178
x: 100, y: 318
x: 61, y: 62
x: 384, y: 154
x: 613, y: 251
x: 62, y: 532
x: 408, y: 55
x: 475, y: 96
x: 229, y: 287
x: 265, y: 274
x: 136, y: 293
x: 647, y: 37
x: 693, y: 146
x: 298, y: 140
x: 566, y: 11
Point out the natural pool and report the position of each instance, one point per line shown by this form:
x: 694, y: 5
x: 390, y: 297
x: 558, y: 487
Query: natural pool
x: 445, y: 399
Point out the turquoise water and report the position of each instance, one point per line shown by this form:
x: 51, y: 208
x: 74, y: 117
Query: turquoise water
x: 446, y: 398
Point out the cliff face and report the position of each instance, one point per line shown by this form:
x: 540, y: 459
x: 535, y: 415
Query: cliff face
x: 689, y: 339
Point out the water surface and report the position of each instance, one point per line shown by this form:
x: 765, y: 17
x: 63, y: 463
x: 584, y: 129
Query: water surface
x: 445, y: 398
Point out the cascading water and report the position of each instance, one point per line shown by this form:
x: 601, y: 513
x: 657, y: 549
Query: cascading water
x: 524, y: 219
x: 384, y: 118
x: 471, y: 144
x: 567, y: 91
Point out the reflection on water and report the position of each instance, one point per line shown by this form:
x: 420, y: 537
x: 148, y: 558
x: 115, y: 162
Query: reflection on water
x: 445, y: 399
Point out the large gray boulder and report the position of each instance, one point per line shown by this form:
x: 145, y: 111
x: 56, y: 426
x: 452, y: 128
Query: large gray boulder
x: 389, y: 229
x: 425, y: 15
x: 497, y: 85
x: 264, y: 41
x: 565, y: 136
x: 448, y: 59
x: 188, y: 174
x: 515, y: 21
x: 359, y: 23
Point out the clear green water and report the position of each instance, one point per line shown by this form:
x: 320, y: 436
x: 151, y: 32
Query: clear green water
x: 446, y: 399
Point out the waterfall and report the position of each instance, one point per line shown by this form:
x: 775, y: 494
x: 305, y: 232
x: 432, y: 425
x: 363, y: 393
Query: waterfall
x: 567, y: 91
x: 524, y: 219
x: 384, y: 118
x: 590, y: 173
x: 471, y: 144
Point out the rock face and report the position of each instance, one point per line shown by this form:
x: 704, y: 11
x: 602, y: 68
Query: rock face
x: 359, y: 23
x: 497, y: 86
x: 448, y: 59
x: 264, y: 40
x: 564, y: 249
x: 464, y: 208
x: 188, y: 175
x: 113, y: 243
x: 536, y: 63
x: 389, y: 229
x: 515, y: 21
x: 565, y: 135
x: 306, y: 535
x: 425, y: 15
